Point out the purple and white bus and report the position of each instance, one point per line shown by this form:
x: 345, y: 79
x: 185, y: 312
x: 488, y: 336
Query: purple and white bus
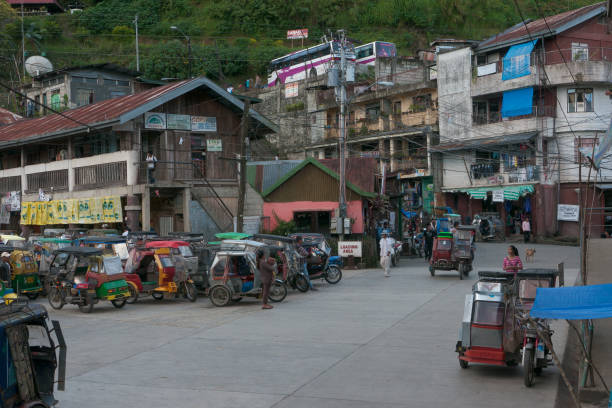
x: 306, y: 63
x: 366, y: 54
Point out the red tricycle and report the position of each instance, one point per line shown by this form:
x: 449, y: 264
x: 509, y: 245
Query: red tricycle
x: 453, y: 251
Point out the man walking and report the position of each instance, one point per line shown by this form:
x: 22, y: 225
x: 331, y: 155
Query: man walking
x: 386, y: 247
x: 428, y: 236
x: 303, y: 255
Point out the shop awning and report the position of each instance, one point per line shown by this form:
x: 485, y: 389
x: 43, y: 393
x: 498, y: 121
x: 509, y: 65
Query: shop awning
x: 517, y: 60
x: 409, y: 214
x: 573, y: 303
x: 517, y: 102
x: 486, y: 142
x: 511, y: 193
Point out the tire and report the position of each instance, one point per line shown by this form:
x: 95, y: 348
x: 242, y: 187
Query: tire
x: 119, y: 303
x: 133, y: 293
x: 190, y: 291
x: 528, y: 369
x: 32, y: 296
x: 88, y: 306
x: 393, y: 261
x: 55, y: 298
x: 432, y: 270
x: 461, y: 271
x: 157, y: 295
x: 220, y: 295
x: 278, y: 292
x: 333, y: 275
x: 463, y: 364
x: 301, y: 283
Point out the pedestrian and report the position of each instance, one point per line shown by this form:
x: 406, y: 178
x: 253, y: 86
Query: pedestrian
x: 266, y: 266
x: 526, y: 229
x: 151, y: 163
x: 303, y: 253
x: 5, y: 268
x: 386, y: 248
x: 257, y: 81
x: 512, y: 262
x: 429, y: 235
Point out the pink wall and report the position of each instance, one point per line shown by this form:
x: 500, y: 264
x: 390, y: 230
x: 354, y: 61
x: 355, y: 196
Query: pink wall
x: 285, y: 211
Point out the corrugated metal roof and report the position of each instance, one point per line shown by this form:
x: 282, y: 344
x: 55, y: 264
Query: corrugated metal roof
x: 264, y: 174
x: 485, y: 142
x: 360, y: 171
x: 540, y: 28
x: 117, y: 110
x: 7, y: 117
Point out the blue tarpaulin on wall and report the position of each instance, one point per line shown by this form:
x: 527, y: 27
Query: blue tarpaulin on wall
x: 517, y: 102
x: 573, y: 303
x: 517, y: 59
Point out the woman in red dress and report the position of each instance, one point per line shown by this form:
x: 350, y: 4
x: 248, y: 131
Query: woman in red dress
x: 512, y: 262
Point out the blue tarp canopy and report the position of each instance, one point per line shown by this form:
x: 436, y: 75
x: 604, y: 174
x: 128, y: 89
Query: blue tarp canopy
x: 573, y: 303
x: 517, y: 102
x: 517, y: 59
x: 409, y: 214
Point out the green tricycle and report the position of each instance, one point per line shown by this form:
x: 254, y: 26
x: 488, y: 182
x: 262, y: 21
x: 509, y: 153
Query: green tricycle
x: 24, y: 272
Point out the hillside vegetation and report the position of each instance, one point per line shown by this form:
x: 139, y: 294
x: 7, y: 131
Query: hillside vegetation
x: 234, y: 39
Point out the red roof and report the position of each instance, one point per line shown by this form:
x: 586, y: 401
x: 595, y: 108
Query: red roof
x: 27, y: 2
x: 557, y: 23
x: 360, y: 171
x: 7, y: 117
x: 97, y: 113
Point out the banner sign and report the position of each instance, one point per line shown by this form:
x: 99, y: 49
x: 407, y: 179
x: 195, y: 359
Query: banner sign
x: 349, y: 248
x: 72, y: 211
x: 203, y: 124
x: 155, y: 120
x: 214, y: 145
x: 179, y: 122
x: 566, y: 212
x: 297, y: 34
x: 498, y: 196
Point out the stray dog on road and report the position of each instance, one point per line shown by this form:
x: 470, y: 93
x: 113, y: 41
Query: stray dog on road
x: 529, y: 254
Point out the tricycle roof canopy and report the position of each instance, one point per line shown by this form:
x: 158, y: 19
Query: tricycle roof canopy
x: 79, y: 251
x: 103, y: 240
x: 274, y: 237
x: 166, y: 244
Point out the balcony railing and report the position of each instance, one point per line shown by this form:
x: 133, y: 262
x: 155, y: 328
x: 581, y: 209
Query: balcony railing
x: 166, y: 171
x: 523, y: 174
x: 100, y: 175
x: 57, y: 179
x: 586, y: 54
x: 495, y: 117
x: 384, y: 123
x: 8, y: 184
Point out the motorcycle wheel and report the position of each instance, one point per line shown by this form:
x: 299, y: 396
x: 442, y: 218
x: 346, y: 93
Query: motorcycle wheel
x: 119, y: 303
x: 463, y: 364
x: 278, y: 292
x: 333, y: 275
x: 133, y: 293
x: 220, y: 295
x: 55, y: 298
x: 432, y: 270
x: 157, y: 295
x: 190, y: 291
x: 301, y: 283
x: 528, y: 370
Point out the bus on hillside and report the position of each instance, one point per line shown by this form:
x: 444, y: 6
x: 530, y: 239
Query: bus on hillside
x: 308, y: 63
x: 366, y: 54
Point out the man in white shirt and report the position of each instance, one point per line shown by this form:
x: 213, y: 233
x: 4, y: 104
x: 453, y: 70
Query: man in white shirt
x: 386, y: 249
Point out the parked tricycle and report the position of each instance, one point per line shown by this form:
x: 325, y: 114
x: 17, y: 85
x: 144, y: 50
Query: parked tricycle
x: 288, y: 260
x: 320, y: 263
x: 234, y: 275
x: 24, y: 272
x: 82, y: 276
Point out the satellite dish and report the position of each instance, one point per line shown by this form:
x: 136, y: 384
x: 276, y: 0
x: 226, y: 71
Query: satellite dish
x: 37, y: 65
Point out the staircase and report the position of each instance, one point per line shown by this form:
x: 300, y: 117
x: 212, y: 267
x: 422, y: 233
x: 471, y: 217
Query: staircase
x: 211, y: 202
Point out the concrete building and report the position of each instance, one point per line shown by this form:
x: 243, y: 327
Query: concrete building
x: 514, y: 110
x: 96, y: 155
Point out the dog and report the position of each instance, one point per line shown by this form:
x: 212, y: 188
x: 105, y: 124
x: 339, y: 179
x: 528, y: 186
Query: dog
x: 529, y: 254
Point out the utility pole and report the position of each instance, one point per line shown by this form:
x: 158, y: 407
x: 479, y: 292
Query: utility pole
x: 22, y: 44
x: 342, y: 141
x: 244, y: 135
x: 137, y: 52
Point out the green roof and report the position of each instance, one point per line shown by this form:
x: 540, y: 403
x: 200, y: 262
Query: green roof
x: 321, y: 167
x: 232, y: 235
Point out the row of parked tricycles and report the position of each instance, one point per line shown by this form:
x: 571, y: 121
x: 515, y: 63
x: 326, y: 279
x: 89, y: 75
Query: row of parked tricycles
x: 90, y: 269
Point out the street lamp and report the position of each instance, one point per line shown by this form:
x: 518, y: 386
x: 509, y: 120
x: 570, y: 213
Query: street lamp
x: 175, y: 28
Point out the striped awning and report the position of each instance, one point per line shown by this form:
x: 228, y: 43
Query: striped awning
x: 511, y: 193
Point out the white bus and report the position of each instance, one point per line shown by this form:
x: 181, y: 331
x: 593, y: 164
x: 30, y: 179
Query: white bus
x: 366, y: 54
x: 308, y: 63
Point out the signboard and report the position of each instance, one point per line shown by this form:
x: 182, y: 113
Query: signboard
x: 203, y: 124
x: 498, y: 196
x: 251, y: 224
x: 349, y: 248
x: 487, y: 69
x: 291, y: 90
x: 179, y: 122
x: 214, y: 145
x: 154, y: 120
x: 297, y: 34
x: 566, y: 212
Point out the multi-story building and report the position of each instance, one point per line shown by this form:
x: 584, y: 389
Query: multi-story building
x: 96, y: 156
x: 514, y: 110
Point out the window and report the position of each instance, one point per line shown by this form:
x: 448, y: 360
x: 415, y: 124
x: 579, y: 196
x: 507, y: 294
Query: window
x: 372, y: 113
x: 84, y: 96
x: 580, y: 100
x: 56, y: 100
x: 481, y: 59
x: 397, y: 108
x: 90, y: 145
x: 479, y: 112
x: 421, y: 103
x: 584, y: 143
x: 580, y: 52
x: 489, y: 313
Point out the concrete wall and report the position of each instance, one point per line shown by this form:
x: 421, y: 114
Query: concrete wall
x: 454, y: 100
x: 285, y: 211
x: 454, y: 173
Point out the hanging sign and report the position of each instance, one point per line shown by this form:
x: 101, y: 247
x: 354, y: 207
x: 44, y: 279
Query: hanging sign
x: 566, y: 212
x: 498, y: 196
x: 155, y: 120
x: 203, y: 124
x: 214, y: 145
x: 178, y: 122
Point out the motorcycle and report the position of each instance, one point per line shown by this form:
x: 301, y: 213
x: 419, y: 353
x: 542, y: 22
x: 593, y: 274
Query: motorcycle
x: 319, y: 267
x: 397, y: 250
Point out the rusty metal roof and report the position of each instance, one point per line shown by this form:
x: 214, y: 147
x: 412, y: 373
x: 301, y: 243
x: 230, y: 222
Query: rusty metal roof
x: 115, y: 111
x: 361, y: 171
x: 7, y: 117
x: 540, y: 28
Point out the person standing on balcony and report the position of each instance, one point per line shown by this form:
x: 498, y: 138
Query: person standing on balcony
x: 151, y: 162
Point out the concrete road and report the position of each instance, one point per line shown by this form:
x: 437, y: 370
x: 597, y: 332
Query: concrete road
x: 369, y: 341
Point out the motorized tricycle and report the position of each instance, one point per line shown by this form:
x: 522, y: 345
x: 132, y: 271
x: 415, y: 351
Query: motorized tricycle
x: 24, y: 272
x: 288, y: 260
x: 197, y: 244
x: 182, y: 249
x: 82, y: 276
x: 453, y: 252
x: 43, y: 256
x: 320, y: 264
x: 157, y: 272
x: 234, y: 274
x: 489, y: 227
x: 28, y: 354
